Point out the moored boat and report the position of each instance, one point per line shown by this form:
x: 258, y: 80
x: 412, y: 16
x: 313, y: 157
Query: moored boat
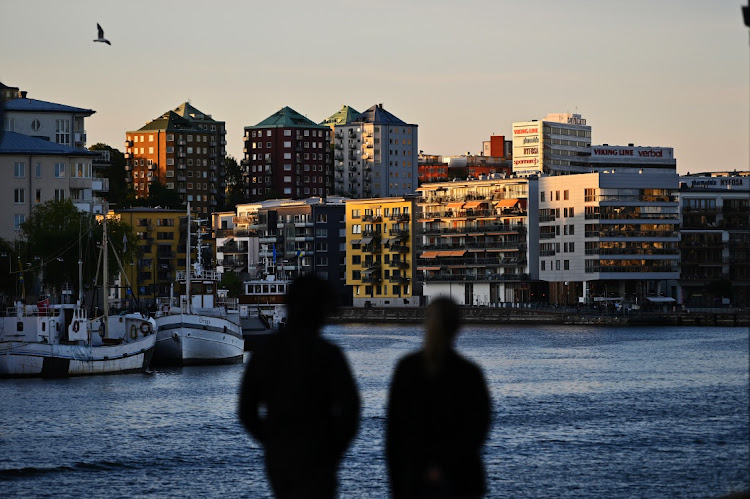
x: 262, y: 308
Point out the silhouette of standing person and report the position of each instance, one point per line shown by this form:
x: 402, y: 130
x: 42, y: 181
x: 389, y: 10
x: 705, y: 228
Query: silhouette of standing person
x: 299, y: 398
x: 438, y: 415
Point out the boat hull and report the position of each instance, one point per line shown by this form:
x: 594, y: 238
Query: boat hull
x: 186, y: 339
x: 20, y: 359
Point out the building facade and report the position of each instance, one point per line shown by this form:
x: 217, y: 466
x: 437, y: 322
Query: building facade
x: 475, y: 241
x: 376, y: 155
x: 610, y: 238
x: 184, y: 150
x: 286, y: 157
x: 715, y: 239
x: 380, y: 252
x: 558, y: 144
x: 36, y: 171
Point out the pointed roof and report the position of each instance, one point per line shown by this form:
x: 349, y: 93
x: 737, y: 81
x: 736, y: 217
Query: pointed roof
x: 286, y: 117
x: 18, y: 143
x: 188, y: 111
x: 345, y: 115
x: 376, y: 115
x: 169, y: 121
x: 26, y: 105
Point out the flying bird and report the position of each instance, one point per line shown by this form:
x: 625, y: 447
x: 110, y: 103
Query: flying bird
x: 101, y: 35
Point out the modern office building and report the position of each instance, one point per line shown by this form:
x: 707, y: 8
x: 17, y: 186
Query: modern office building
x: 184, y: 150
x: 286, y: 157
x: 375, y: 155
x: 715, y: 239
x: 57, y: 123
x: 477, y: 241
x: 609, y: 237
x: 35, y: 171
x: 557, y: 145
x: 380, y: 252
x: 632, y: 159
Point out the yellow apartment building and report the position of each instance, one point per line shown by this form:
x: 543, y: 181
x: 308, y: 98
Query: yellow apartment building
x: 380, y: 251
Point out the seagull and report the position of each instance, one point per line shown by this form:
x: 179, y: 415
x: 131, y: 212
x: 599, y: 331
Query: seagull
x: 101, y: 35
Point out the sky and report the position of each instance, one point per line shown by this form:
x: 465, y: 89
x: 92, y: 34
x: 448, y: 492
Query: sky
x: 670, y: 73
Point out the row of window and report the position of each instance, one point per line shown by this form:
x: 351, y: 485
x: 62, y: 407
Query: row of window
x: 287, y: 133
x: 78, y: 170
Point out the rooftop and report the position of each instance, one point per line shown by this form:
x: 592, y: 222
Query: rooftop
x: 345, y: 115
x: 286, y: 117
x: 18, y: 143
x: 26, y: 105
x: 376, y: 115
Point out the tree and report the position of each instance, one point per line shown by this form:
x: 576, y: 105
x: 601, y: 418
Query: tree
x: 232, y: 284
x: 118, y: 188
x: 159, y: 195
x: 235, y: 183
x: 55, y: 233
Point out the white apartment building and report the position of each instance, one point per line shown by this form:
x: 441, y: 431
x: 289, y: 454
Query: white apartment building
x: 609, y: 237
x: 56, y: 123
x: 375, y: 155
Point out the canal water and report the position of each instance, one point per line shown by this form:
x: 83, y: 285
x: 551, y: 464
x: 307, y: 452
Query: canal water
x: 578, y: 412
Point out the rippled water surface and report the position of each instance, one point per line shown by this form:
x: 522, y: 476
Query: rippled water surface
x: 578, y: 412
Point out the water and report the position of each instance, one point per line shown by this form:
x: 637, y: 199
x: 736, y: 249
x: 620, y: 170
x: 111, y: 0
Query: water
x: 578, y: 412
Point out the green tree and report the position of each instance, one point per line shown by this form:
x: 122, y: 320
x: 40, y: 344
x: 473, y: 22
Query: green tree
x: 236, y: 187
x: 116, y: 174
x: 232, y: 284
x: 159, y: 195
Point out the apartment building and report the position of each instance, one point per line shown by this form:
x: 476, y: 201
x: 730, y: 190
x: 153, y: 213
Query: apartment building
x: 715, y: 239
x: 286, y: 157
x: 610, y: 237
x: 343, y: 116
x: 375, y: 155
x: 477, y: 241
x: 184, y: 150
x: 36, y: 170
x: 380, y: 251
x: 161, y: 244
x: 57, y: 123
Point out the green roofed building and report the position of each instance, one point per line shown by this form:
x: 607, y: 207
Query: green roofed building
x: 184, y: 150
x: 287, y: 156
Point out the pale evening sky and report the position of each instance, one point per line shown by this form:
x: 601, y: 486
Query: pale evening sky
x: 655, y: 73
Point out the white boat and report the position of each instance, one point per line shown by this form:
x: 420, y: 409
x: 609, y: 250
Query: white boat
x: 62, y: 340
x: 262, y: 308
x: 202, y: 327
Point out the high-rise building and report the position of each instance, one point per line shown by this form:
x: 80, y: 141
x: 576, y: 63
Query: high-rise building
x: 557, y: 145
x: 376, y: 155
x: 285, y: 157
x: 184, y: 150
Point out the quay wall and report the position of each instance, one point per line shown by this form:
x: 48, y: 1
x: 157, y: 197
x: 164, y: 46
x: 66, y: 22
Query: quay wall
x: 482, y: 315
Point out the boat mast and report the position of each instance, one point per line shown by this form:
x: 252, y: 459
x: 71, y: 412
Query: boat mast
x: 187, y: 262
x: 105, y: 270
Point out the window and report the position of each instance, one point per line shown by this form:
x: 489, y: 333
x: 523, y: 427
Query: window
x: 38, y: 170
x: 566, y: 264
x: 268, y: 145
x: 356, y: 229
x: 566, y: 195
x: 287, y: 143
x: 542, y: 265
x: 36, y: 125
x: 19, y: 196
x: 62, y: 131
x: 17, y: 221
x: 541, y: 196
x: 38, y: 198
x: 19, y: 169
x: 59, y: 195
x: 59, y: 170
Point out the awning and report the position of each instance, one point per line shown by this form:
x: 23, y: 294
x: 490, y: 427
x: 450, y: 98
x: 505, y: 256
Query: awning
x: 474, y: 204
x: 387, y: 240
x: 506, y: 203
x: 660, y: 299
x: 428, y: 268
x: 454, y: 205
x: 451, y: 253
x: 366, y: 240
x: 429, y: 254
x: 356, y: 241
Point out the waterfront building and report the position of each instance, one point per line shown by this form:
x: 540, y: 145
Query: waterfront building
x: 559, y: 144
x: 343, y: 116
x: 715, y: 239
x: 477, y: 241
x: 35, y: 171
x: 380, y: 251
x: 184, y: 150
x: 286, y: 157
x: 609, y: 237
x: 432, y: 168
x: 632, y: 159
x: 56, y: 123
x: 160, y: 236
x: 375, y: 155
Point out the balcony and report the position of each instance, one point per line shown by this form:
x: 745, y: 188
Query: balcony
x: 370, y: 265
x: 399, y: 248
x: 372, y: 248
x: 398, y: 264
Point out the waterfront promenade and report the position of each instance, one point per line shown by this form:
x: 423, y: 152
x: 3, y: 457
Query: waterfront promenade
x: 550, y: 315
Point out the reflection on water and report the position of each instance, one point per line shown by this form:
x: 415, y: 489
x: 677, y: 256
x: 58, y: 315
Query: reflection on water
x: 614, y: 412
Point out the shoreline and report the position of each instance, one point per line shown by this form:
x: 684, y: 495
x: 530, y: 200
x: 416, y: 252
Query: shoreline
x: 484, y: 315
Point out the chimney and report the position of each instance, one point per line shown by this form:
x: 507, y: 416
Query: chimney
x: 22, y: 93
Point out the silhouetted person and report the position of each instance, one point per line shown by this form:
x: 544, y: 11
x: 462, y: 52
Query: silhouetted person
x: 299, y: 399
x: 438, y: 415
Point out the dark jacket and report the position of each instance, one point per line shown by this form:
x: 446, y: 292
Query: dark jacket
x: 300, y: 401
x: 437, y: 422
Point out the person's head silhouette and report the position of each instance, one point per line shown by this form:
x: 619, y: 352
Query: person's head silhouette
x: 309, y: 301
x: 442, y: 323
